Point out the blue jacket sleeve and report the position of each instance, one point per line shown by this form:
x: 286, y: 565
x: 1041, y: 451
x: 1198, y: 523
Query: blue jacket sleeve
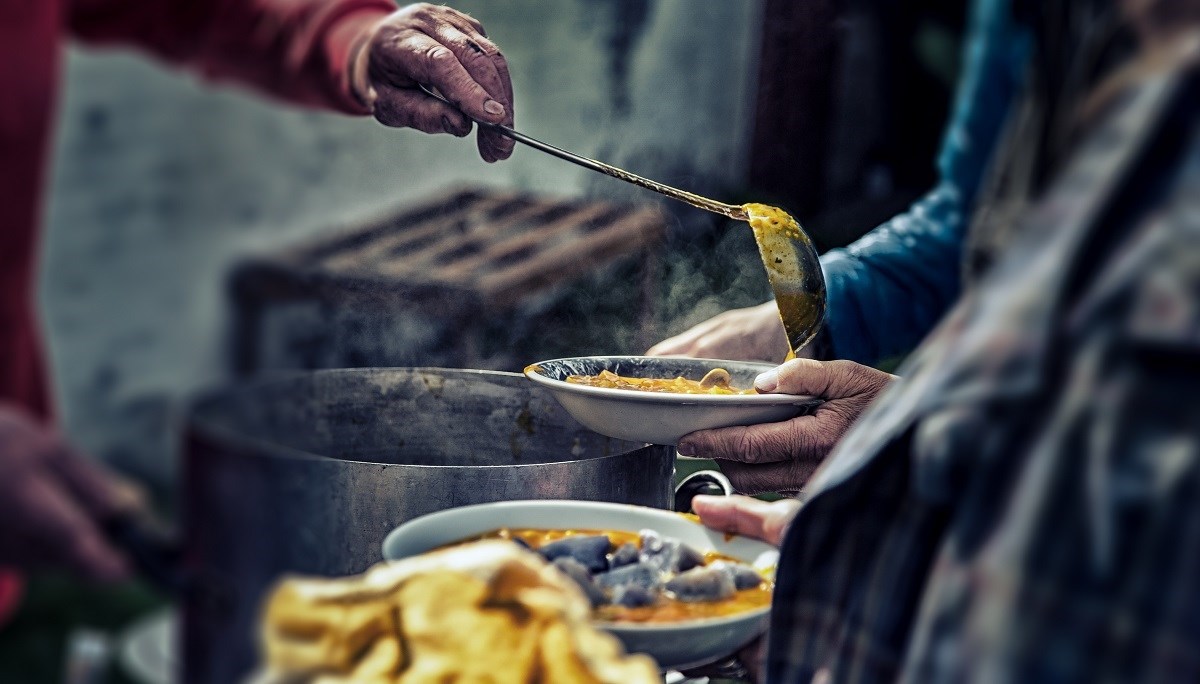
x: 889, y: 288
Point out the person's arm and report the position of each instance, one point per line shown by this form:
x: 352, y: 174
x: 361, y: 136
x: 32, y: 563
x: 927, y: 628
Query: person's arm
x: 298, y: 50
x: 55, y: 501
x: 888, y: 289
x: 352, y: 56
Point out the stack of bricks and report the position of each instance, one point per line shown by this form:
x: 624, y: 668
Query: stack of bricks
x: 422, y: 286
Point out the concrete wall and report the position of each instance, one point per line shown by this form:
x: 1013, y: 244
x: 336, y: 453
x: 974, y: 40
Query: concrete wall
x: 161, y: 182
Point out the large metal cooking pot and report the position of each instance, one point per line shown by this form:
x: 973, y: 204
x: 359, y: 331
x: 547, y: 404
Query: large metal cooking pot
x: 308, y: 473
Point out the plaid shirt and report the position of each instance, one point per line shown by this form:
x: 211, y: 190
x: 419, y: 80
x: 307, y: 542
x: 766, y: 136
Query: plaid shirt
x: 1024, y: 506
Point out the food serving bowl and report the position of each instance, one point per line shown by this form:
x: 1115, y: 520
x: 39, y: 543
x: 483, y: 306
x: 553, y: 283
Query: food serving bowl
x: 662, y: 417
x: 674, y: 645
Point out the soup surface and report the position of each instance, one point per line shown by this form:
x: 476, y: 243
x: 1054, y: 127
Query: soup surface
x: 677, y: 385
x: 674, y: 599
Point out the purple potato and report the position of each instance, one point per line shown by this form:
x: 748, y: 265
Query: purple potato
x: 626, y: 554
x: 667, y: 554
x: 688, y: 558
x: 652, y: 542
x: 590, y: 550
x: 702, y: 585
x: 639, y: 575
x: 577, y: 572
x: 743, y: 576
x: 633, y: 596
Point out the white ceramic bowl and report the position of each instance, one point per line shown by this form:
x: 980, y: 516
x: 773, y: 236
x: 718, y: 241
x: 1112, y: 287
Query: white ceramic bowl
x: 661, y: 417
x: 674, y: 646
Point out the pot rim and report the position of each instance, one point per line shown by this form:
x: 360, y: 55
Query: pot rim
x: 209, y: 432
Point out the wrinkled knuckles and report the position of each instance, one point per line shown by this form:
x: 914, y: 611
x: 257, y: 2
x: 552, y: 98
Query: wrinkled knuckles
x: 488, y: 48
x: 753, y: 449
x: 390, y: 40
x: 475, y: 57
x: 439, y: 56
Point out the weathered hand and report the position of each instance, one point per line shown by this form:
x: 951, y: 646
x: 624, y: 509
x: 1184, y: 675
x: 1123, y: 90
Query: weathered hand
x: 780, y: 457
x: 751, y: 518
x: 751, y: 334
x: 52, y: 501
x: 747, y: 516
x: 443, y: 48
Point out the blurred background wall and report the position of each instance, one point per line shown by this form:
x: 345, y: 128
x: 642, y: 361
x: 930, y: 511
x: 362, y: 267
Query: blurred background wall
x: 162, y: 182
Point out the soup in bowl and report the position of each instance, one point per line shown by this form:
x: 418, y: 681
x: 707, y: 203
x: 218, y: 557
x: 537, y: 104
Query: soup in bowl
x: 678, y: 591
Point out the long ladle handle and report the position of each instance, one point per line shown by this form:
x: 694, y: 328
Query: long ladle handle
x: 733, y: 211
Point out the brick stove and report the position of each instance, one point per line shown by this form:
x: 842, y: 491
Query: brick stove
x: 452, y: 281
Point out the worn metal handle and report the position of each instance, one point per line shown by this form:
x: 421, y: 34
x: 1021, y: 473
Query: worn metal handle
x: 732, y: 211
x: 706, y: 482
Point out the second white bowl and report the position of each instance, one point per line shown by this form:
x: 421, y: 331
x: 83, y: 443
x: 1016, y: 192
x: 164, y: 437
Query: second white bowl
x: 678, y: 645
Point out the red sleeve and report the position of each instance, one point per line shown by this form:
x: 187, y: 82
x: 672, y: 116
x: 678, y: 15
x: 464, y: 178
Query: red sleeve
x: 294, y: 49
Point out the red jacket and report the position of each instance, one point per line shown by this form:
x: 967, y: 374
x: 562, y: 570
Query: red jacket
x: 293, y: 49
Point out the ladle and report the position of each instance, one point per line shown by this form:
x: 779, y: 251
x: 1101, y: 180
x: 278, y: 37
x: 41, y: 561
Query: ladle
x: 792, y: 263
x: 732, y: 211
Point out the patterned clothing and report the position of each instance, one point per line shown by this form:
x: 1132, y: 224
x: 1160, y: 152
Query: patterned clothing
x: 1024, y: 505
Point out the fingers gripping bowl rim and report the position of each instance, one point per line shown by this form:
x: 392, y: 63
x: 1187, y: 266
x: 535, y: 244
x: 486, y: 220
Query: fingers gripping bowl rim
x: 675, y: 645
x: 662, y: 417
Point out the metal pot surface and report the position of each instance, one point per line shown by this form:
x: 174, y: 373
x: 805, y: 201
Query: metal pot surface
x: 307, y: 473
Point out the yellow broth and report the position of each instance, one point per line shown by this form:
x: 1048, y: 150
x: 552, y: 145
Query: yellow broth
x: 665, y: 610
x: 679, y: 385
